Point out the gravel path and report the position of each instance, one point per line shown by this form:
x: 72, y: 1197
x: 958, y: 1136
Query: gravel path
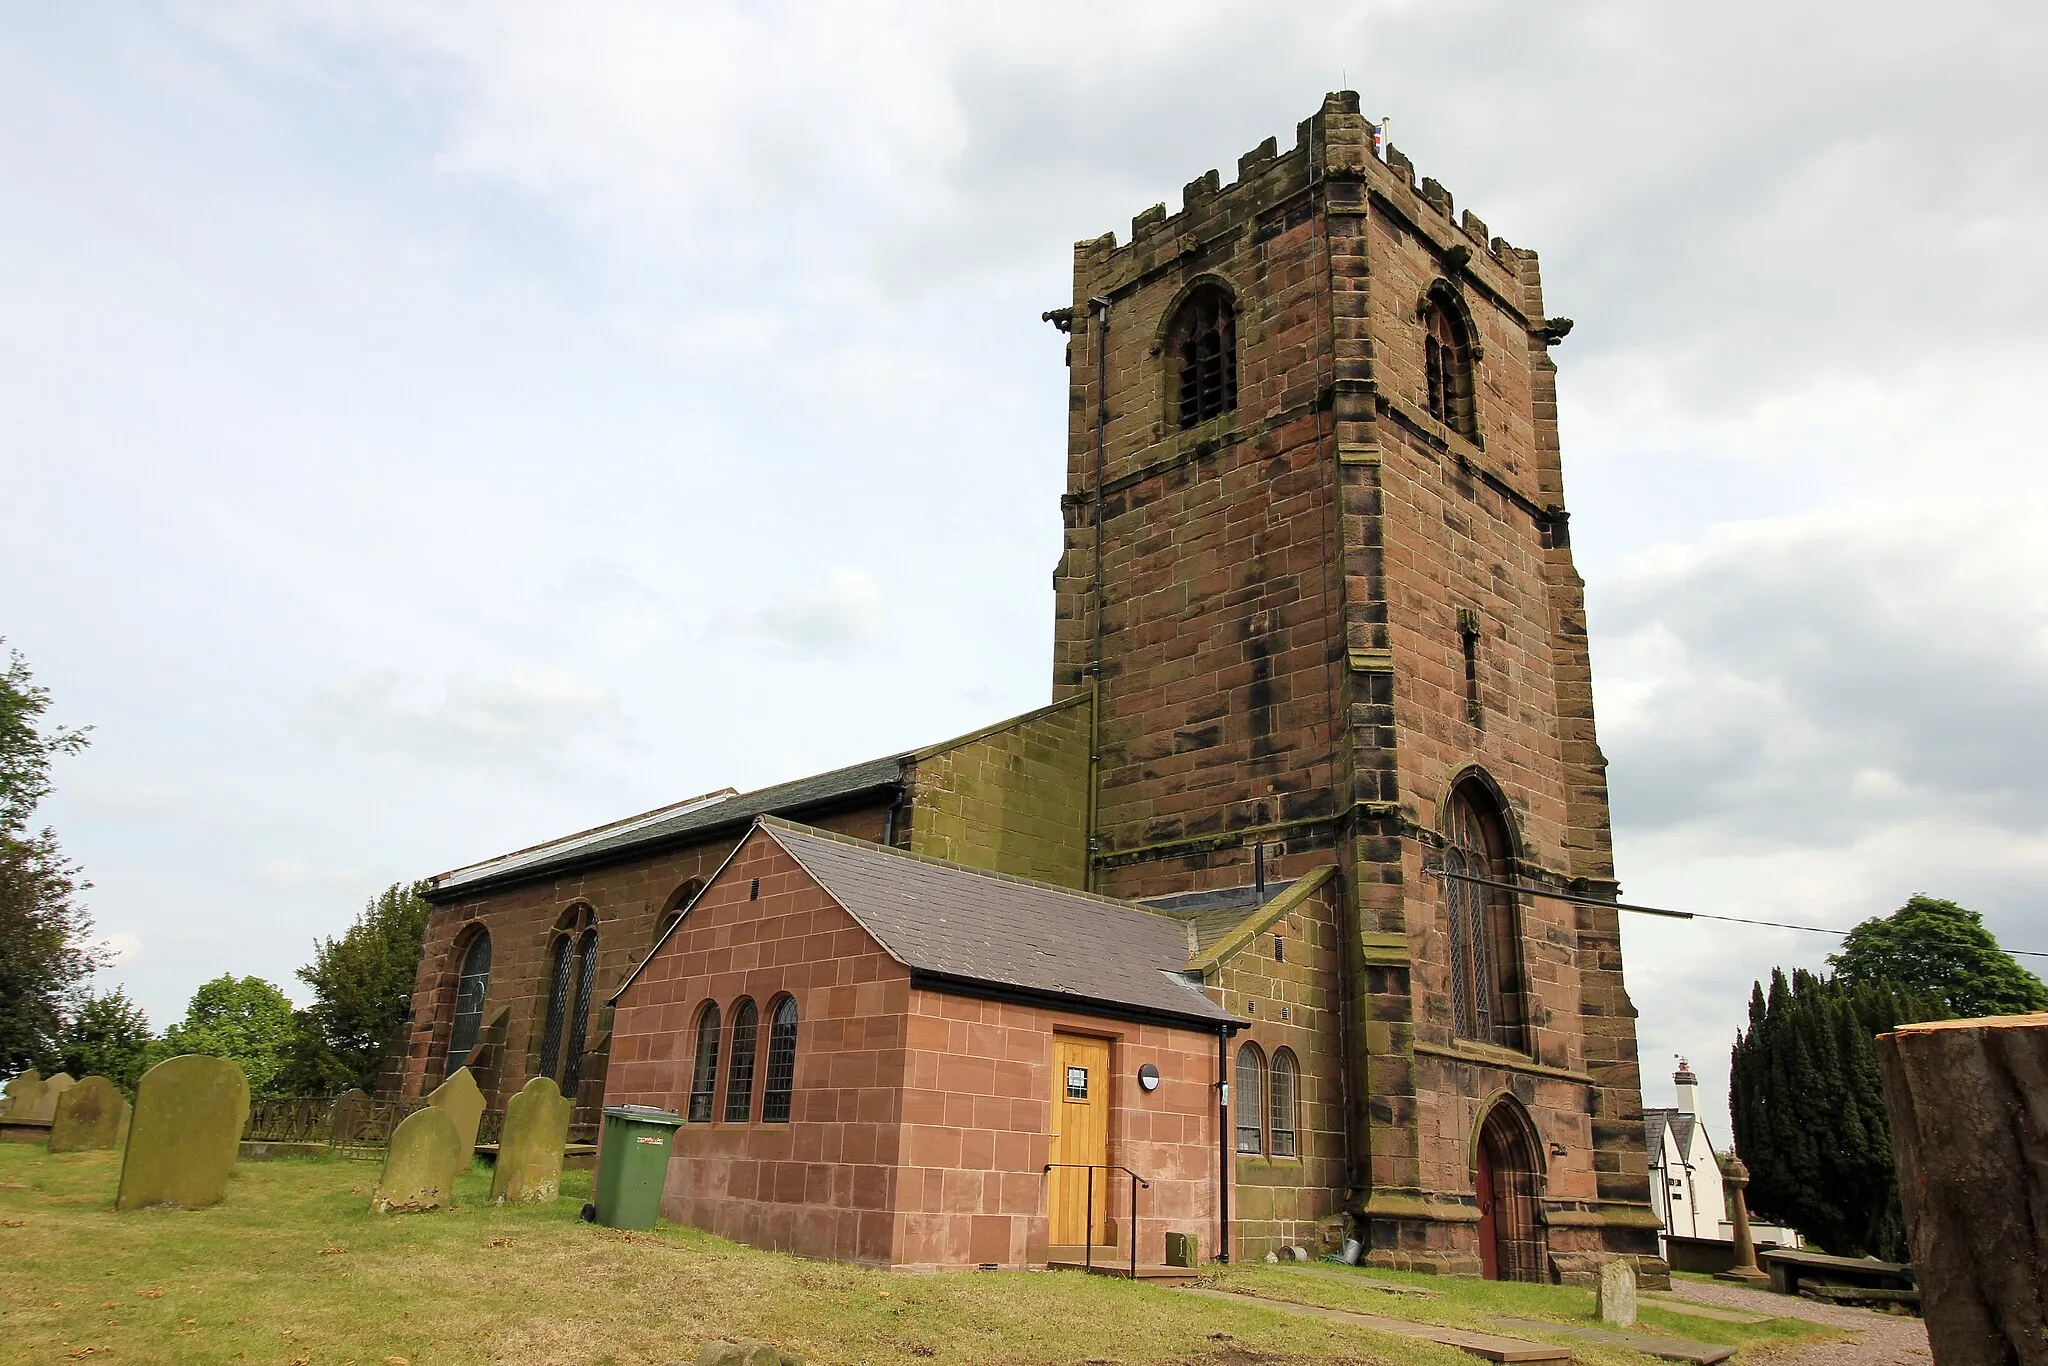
x: 1881, y: 1339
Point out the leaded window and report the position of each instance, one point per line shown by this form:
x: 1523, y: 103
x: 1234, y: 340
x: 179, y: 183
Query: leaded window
x: 781, y: 1080
x: 579, y: 1015
x: 1251, y: 1100
x: 1481, y: 922
x: 1286, y: 1088
x: 704, y: 1076
x: 561, y: 980
x: 472, y: 984
x: 1201, y: 349
x: 739, y: 1076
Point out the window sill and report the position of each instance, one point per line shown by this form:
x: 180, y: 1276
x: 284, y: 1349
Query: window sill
x: 1507, y: 1059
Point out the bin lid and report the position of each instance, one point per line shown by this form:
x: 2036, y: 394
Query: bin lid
x: 646, y: 1114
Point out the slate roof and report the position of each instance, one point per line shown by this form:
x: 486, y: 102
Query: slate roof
x: 1680, y: 1124
x: 1214, y: 913
x: 695, y: 818
x: 960, y: 923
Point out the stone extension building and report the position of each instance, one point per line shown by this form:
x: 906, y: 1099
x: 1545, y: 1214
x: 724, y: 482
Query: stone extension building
x: 1321, y: 695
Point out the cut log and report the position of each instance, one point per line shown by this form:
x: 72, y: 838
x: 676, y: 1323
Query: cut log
x: 1968, y: 1101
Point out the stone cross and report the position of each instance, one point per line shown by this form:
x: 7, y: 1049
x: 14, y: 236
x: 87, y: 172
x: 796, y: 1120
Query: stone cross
x: 91, y: 1114
x: 1745, y: 1269
x: 530, y: 1149
x: 185, y: 1134
x: 420, y: 1165
x: 464, y: 1104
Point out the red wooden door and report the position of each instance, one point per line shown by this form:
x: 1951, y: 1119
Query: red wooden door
x: 1489, y: 1228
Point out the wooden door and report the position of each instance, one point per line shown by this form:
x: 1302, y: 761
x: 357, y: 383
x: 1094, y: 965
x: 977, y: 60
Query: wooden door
x: 1489, y: 1214
x: 1080, y: 1139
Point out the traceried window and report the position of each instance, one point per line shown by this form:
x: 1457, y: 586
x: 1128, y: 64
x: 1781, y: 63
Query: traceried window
x: 1447, y: 367
x: 739, y: 1075
x: 561, y: 981
x: 1251, y: 1100
x: 704, y: 1075
x: 572, y: 983
x: 1481, y: 921
x: 472, y: 984
x: 1285, y: 1084
x: 1201, y: 353
x: 781, y: 1079
x: 579, y: 1013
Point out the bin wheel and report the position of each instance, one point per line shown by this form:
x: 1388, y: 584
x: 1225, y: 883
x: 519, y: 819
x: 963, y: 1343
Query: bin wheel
x: 588, y: 1214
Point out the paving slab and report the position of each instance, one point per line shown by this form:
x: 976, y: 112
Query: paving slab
x: 1669, y: 1349
x: 1487, y: 1346
x: 1672, y: 1304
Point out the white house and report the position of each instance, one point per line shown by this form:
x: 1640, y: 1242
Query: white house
x: 1685, y: 1179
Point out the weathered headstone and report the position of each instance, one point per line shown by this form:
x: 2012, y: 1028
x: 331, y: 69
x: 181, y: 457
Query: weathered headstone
x: 745, y: 1352
x: 530, y: 1148
x: 1617, y: 1295
x: 91, y: 1114
x: 464, y: 1104
x: 22, y: 1094
x: 45, y: 1108
x: 1968, y: 1104
x: 189, y: 1115
x: 420, y: 1165
x: 352, y: 1109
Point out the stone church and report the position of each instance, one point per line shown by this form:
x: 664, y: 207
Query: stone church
x: 1254, y: 933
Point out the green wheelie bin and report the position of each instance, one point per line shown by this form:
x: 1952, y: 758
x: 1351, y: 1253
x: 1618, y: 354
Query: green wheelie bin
x: 632, y: 1161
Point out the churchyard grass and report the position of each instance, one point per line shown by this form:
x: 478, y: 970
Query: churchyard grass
x: 1468, y: 1302
x: 293, y: 1268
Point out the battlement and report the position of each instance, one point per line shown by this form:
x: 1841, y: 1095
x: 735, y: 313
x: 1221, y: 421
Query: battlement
x: 1335, y: 142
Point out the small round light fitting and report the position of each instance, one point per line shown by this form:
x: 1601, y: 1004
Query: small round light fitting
x: 1148, y: 1077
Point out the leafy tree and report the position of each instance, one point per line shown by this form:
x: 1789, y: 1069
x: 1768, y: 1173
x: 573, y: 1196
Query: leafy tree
x: 1808, y: 1108
x: 109, y: 1037
x: 46, y: 949
x: 243, y: 1018
x: 1936, y: 948
x: 362, y: 991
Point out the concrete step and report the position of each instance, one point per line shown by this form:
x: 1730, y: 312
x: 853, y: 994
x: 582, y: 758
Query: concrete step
x: 1109, y: 1260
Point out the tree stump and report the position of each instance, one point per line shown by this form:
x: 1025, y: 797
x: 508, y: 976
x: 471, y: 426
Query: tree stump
x: 1968, y: 1102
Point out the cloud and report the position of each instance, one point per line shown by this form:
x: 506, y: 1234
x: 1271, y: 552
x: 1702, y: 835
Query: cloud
x: 528, y: 718
x: 836, y: 616
x: 123, y: 949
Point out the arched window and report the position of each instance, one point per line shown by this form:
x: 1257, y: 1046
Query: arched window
x: 704, y: 1076
x: 1481, y: 921
x: 1447, y: 367
x: 1201, y: 355
x: 739, y: 1076
x: 1286, y: 1089
x: 678, y: 902
x: 781, y: 1079
x: 1251, y: 1100
x: 471, y: 986
x: 579, y: 1015
x: 561, y: 981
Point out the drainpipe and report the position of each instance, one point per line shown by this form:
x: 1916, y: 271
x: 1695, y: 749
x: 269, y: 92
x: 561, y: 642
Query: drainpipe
x: 1224, y: 1146
x: 889, y: 820
x: 1100, y: 303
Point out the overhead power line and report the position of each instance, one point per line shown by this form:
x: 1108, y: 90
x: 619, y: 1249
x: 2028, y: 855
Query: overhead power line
x: 1578, y: 900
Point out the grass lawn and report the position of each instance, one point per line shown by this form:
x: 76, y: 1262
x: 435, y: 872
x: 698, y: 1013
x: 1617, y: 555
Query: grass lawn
x: 1471, y: 1303
x: 294, y: 1269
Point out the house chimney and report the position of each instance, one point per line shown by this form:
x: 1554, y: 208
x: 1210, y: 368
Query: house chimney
x: 1688, y: 1088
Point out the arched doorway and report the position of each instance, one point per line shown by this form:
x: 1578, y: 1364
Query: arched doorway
x: 1505, y: 1180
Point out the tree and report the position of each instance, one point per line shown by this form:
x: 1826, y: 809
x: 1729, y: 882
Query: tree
x: 109, y: 1037
x: 362, y: 992
x: 46, y: 949
x: 1938, y: 949
x: 242, y: 1018
x: 1808, y: 1108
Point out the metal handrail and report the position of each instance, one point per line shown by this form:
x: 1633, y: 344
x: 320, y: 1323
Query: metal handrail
x: 1088, y: 1228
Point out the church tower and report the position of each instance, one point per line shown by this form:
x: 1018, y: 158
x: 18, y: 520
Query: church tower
x: 1317, y: 575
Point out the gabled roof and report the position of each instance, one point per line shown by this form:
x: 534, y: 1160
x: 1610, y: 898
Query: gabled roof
x: 680, y: 823
x: 1653, y: 1133
x: 961, y: 927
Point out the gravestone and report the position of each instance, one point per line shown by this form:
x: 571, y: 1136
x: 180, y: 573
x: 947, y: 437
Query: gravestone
x: 464, y: 1104
x: 1617, y: 1295
x: 22, y: 1094
x: 89, y: 1115
x: 45, y: 1108
x: 1183, y: 1249
x: 352, y: 1110
x: 420, y: 1165
x: 744, y: 1352
x: 182, y: 1139
x: 530, y: 1148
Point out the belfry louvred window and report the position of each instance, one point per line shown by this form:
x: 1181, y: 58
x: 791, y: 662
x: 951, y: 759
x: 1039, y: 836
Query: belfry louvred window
x: 1481, y: 922
x: 1201, y: 352
x: 1447, y: 367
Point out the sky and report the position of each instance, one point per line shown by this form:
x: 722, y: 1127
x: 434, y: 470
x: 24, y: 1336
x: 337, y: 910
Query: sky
x: 425, y: 430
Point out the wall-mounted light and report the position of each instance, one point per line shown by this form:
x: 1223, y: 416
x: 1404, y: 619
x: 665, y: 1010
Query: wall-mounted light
x: 1148, y: 1077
